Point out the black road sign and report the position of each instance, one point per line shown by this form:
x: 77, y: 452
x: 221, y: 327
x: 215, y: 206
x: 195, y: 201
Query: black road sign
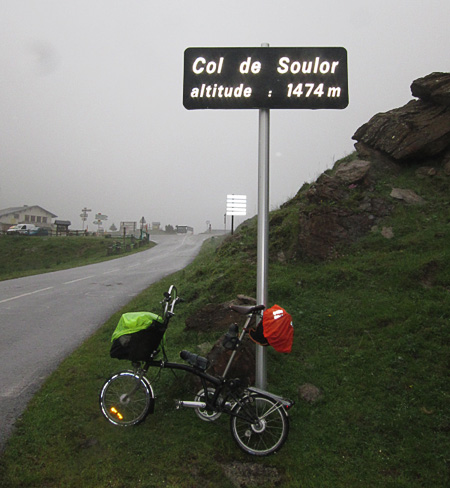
x: 265, y: 77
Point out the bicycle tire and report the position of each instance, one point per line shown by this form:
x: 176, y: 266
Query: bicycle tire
x: 267, y: 433
x: 126, y: 399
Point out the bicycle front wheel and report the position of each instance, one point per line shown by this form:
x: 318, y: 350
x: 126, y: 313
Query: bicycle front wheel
x: 126, y: 399
x: 259, y: 425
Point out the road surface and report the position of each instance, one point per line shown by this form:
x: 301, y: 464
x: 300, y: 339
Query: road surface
x: 43, y: 318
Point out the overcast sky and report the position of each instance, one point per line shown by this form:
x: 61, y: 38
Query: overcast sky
x: 91, y: 108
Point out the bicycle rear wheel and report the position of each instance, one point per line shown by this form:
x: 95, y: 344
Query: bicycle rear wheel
x: 126, y: 399
x: 259, y: 425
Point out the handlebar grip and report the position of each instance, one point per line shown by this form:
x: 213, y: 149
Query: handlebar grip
x: 184, y: 355
x: 194, y: 360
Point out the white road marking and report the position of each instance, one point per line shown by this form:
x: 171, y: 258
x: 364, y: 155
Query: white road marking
x: 79, y: 279
x: 25, y: 294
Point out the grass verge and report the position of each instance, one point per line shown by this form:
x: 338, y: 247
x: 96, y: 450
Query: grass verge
x: 28, y: 255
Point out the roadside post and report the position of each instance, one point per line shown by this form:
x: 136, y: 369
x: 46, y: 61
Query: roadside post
x: 84, y: 215
x: 265, y: 78
x: 99, y: 218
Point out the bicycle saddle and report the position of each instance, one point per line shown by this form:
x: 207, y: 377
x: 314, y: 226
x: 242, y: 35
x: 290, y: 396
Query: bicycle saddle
x: 246, y: 309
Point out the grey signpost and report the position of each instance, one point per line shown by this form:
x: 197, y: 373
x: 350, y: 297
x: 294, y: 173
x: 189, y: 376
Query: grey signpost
x: 84, y: 215
x: 265, y: 78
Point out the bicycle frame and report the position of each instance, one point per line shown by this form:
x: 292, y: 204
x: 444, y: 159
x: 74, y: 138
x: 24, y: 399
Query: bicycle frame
x: 220, y: 384
x: 258, y: 419
x: 217, y: 382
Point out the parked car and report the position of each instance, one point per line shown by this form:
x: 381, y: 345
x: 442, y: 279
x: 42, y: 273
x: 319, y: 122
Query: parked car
x: 23, y: 229
x: 39, y: 231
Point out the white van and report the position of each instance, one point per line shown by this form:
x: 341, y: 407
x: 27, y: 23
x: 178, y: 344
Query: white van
x: 21, y: 229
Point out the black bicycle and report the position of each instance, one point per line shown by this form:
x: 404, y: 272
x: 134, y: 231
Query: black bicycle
x: 258, y: 419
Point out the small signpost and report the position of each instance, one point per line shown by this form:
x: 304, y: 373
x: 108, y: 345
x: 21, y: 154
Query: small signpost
x: 265, y: 78
x: 142, y: 222
x: 99, y: 218
x: 236, y: 205
x: 84, y: 215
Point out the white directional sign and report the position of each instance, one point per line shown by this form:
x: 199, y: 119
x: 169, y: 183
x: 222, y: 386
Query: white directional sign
x: 236, y: 204
x: 265, y: 77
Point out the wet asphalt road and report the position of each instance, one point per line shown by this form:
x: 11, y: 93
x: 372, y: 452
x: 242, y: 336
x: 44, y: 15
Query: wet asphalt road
x: 43, y: 318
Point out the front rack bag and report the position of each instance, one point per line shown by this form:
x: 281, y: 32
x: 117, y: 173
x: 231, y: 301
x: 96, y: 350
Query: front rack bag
x: 137, y: 336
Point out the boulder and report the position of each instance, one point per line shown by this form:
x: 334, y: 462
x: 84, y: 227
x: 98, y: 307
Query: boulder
x: 353, y: 171
x: 244, y: 363
x: 387, y: 232
x: 213, y: 317
x: 417, y: 131
x: 407, y: 196
x: 309, y: 393
x: 434, y: 88
x: 220, y: 317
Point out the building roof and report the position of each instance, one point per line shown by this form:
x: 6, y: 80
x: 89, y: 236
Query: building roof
x: 10, y: 210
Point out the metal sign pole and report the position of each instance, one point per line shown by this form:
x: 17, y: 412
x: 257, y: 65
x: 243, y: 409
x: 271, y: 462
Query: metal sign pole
x: 224, y: 78
x: 263, y: 233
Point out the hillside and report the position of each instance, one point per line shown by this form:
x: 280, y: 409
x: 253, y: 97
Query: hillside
x: 361, y: 259
x: 402, y: 158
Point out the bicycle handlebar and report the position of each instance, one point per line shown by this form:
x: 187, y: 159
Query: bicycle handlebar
x: 169, y: 302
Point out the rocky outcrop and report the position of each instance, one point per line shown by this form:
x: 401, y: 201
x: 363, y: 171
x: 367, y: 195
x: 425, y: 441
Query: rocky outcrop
x: 213, y: 317
x: 219, y: 317
x: 418, y: 131
x: 243, y: 365
x: 344, y: 209
x: 341, y: 204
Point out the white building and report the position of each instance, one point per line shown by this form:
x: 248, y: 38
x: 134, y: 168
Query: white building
x: 33, y: 214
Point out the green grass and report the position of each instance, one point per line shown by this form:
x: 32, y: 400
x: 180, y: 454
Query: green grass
x: 371, y: 331
x: 27, y: 255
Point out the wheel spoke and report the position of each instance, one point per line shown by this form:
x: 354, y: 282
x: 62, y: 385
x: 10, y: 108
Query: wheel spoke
x: 125, y: 399
x: 259, y: 425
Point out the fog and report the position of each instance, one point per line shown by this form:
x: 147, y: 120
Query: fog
x: 91, y: 108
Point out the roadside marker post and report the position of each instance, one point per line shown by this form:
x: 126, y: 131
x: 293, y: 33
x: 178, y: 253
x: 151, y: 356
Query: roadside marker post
x: 265, y: 78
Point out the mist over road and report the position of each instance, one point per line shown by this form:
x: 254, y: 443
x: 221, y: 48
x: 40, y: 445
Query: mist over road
x: 43, y: 318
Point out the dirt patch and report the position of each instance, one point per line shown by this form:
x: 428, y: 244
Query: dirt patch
x: 214, y: 316
x: 247, y: 475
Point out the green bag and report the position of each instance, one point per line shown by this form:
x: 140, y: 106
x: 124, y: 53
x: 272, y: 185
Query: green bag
x: 137, y: 336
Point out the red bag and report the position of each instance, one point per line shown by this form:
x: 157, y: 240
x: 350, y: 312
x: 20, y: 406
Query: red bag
x: 275, y: 329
